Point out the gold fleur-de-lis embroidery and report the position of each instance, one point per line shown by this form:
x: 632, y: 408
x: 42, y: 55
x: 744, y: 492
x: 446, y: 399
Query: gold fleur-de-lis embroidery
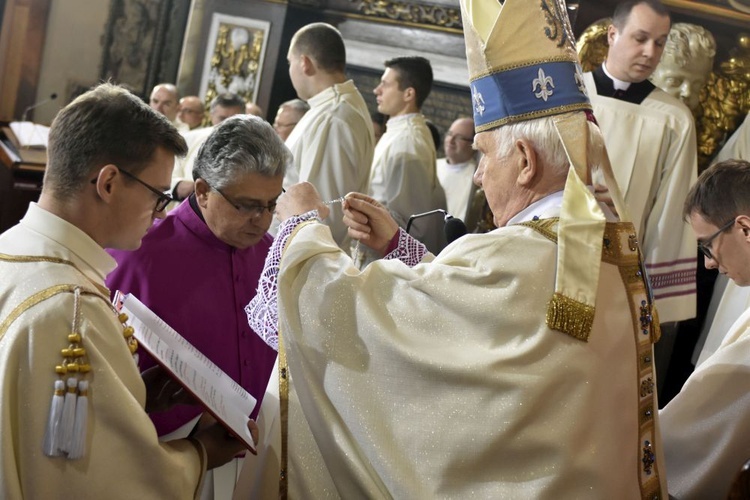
x: 542, y: 81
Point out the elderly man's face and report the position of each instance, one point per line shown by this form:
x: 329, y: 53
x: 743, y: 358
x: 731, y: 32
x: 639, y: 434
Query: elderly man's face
x: 165, y: 102
x: 635, y: 50
x: 235, y: 214
x: 683, y: 82
x: 191, y: 111
x: 497, y: 174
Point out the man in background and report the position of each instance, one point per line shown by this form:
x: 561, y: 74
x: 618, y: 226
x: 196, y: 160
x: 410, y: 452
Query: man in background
x: 651, y: 140
x: 403, y: 170
x: 288, y: 116
x: 191, y: 111
x: 456, y: 170
x: 222, y: 107
x: 333, y: 143
x: 164, y: 99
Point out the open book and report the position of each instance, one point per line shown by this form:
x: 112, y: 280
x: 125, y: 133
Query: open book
x: 224, y: 398
x: 30, y: 135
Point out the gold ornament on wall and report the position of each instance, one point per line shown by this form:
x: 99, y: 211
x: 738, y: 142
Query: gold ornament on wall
x: 234, y: 57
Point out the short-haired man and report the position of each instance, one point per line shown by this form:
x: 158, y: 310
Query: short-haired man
x: 515, y: 364
x: 222, y: 107
x: 220, y: 232
x: 333, y: 143
x: 191, y: 111
x: 288, y: 116
x: 403, y: 170
x: 651, y: 140
x: 164, y: 99
x: 110, y: 160
x: 650, y: 137
x: 706, y: 427
x: 456, y: 170
x: 686, y: 63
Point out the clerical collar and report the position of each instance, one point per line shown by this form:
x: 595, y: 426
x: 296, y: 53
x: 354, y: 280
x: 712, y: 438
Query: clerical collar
x: 618, y: 84
x: 540, y: 209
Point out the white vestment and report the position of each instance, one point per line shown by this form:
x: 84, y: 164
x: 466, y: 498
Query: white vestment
x: 443, y: 380
x: 42, y: 261
x: 404, y: 178
x: 734, y: 299
x: 738, y: 145
x: 332, y: 146
x: 458, y: 184
x: 706, y: 427
x: 652, y: 147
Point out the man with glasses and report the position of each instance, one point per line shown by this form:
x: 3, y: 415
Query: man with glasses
x: 199, y: 267
x: 456, y: 170
x: 191, y: 111
x: 110, y: 159
x: 706, y: 427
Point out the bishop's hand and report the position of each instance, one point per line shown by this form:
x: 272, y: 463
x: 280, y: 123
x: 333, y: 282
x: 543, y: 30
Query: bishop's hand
x: 369, y: 222
x: 299, y: 199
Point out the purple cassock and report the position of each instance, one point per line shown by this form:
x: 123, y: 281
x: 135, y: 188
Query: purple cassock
x: 199, y: 286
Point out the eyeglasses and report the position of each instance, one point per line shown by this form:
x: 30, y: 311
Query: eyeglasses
x: 162, y: 200
x: 705, y: 245
x: 459, y: 137
x: 253, y: 211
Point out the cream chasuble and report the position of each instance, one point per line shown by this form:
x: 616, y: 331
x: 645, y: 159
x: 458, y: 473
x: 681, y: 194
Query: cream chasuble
x: 381, y: 397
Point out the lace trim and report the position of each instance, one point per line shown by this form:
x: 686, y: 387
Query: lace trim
x: 409, y: 250
x: 263, y: 310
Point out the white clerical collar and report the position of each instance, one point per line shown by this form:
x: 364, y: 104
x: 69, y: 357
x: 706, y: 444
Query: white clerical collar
x: 540, y: 209
x: 549, y: 206
x: 618, y: 84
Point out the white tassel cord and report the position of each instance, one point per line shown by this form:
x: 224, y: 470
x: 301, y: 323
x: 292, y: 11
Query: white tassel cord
x: 52, y: 435
x: 68, y: 414
x: 77, y: 444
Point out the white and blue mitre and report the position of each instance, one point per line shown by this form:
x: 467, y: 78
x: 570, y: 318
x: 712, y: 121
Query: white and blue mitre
x: 523, y: 66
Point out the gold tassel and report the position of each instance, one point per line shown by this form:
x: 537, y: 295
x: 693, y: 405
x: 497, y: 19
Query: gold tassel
x: 570, y: 316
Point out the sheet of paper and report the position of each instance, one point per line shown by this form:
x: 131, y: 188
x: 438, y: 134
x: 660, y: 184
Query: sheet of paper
x: 30, y: 135
x: 224, y: 398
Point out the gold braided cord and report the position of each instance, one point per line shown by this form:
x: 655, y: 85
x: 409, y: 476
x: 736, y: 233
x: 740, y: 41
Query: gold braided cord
x: 30, y: 259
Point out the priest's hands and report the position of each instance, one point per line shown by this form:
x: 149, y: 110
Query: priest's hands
x: 369, y: 222
x: 299, y: 199
x: 163, y: 391
x: 221, y: 446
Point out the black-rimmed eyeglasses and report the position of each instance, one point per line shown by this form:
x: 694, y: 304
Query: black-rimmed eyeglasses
x: 162, y: 199
x: 459, y: 137
x: 252, y: 210
x: 705, y: 245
